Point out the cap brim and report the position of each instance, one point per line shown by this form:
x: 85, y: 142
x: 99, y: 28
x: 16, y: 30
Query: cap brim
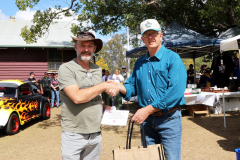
x: 98, y: 42
x: 151, y: 29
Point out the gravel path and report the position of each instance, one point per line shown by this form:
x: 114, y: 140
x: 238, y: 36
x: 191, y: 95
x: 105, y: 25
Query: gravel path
x: 202, y: 139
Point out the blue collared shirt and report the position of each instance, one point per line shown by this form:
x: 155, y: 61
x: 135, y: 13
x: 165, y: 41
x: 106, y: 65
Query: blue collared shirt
x: 159, y: 81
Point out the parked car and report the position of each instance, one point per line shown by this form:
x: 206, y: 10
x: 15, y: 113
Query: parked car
x: 20, y: 102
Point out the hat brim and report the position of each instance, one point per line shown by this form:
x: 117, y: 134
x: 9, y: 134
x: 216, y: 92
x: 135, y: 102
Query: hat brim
x: 151, y: 29
x: 98, y: 42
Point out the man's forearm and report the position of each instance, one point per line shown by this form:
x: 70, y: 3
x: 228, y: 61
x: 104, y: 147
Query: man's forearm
x: 85, y: 95
x: 41, y: 88
x: 122, y: 89
x: 150, y: 109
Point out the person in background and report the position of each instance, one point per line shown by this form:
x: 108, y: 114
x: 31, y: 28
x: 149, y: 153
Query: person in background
x: 45, y: 86
x: 31, y: 78
x: 103, y: 72
x: 54, y: 90
x: 107, y: 76
x: 106, y: 97
x: 125, y: 76
x: 208, y: 79
x: 190, y: 74
x: 124, y: 73
x: 158, y: 79
x: 202, y: 73
x: 236, y: 71
x: 222, y: 66
x: 117, y: 76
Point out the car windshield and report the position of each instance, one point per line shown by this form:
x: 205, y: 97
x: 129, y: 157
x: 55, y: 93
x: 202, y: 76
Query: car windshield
x: 7, y: 92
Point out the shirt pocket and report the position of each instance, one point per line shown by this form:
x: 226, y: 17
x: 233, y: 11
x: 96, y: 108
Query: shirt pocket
x: 161, y: 79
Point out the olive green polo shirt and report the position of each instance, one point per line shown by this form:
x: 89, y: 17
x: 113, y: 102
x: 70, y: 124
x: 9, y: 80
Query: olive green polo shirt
x: 84, y: 118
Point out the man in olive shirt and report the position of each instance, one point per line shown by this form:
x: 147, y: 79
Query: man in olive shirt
x: 80, y: 83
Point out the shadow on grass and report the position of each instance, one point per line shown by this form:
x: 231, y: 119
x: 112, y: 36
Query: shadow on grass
x: 52, y: 122
x: 44, y: 124
x: 215, y: 124
x: 23, y: 127
x: 2, y: 133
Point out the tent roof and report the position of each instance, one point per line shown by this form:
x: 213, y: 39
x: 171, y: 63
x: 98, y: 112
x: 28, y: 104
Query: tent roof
x: 230, y: 44
x: 231, y: 32
x: 187, y: 43
x: 58, y: 36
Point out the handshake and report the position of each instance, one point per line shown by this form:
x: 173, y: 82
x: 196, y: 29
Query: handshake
x: 112, y: 87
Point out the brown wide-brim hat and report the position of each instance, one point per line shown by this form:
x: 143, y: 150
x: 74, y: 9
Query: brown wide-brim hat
x: 88, y: 36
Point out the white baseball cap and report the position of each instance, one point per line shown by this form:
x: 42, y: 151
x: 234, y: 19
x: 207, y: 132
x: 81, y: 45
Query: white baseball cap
x: 150, y: 24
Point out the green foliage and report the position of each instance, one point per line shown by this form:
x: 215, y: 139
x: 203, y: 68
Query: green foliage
x: 23, y: 4
x: 113, y: 52
x: 132, y: 63
x: 109, y: 16
x: 43, y: 19
x: 198, y: 63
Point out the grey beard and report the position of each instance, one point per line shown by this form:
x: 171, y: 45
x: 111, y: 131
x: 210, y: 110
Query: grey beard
x: 79, y: 56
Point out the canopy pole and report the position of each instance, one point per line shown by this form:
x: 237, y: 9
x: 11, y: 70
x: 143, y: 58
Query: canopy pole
x: 224, y: 117
x: 224, y: 109
x: 128, y: 59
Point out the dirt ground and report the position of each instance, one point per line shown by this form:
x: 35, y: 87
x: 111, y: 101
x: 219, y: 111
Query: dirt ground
x: 202, y: 138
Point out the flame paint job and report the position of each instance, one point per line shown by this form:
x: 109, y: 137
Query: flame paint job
x: 23, y: 109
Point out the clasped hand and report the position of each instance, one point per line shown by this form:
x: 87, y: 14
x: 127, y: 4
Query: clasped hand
x: 112, y: 88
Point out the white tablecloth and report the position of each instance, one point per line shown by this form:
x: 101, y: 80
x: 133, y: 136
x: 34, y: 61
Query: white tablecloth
x: 232, y: 102
x: 206, y: 98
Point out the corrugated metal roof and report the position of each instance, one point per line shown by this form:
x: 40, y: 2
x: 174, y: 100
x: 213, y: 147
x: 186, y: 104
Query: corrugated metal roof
x: 58, y: 36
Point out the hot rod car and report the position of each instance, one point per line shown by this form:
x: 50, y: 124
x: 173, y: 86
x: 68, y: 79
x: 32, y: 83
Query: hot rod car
x: 20, y: 102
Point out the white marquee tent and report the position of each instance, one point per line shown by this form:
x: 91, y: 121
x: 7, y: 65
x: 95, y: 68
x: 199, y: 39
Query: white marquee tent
x: 230, y: 44
x: 227, y: 45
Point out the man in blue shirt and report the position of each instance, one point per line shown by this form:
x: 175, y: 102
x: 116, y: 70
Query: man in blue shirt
x: 159, y: 80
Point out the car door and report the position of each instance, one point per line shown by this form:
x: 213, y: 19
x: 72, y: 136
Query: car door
x: 28, y: 105
x: 36, y: 95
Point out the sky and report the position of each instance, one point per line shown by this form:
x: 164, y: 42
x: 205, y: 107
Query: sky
x: 8, y: 8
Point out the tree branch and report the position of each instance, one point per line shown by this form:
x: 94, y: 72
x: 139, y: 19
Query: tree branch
x: 65, y: 9
x: 54, y: 15
x: 149, y: 2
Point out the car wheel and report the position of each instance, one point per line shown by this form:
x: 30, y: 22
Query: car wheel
x: 13, y: 124
x: 46, y: 111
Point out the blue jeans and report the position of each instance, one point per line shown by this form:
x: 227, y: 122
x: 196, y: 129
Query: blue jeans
x: 165, y: 129
x: 53, y: 97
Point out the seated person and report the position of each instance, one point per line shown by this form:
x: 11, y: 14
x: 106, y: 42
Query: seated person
x: 202, y: 73
x: 208, y: 79
x: 190, y: 74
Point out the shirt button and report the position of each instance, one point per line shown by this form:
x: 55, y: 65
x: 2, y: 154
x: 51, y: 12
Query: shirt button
x: 149, y: 100
x: 149, y: 71
x: 148, y: 90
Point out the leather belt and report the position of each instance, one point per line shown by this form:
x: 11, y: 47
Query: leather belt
x: 160, y: 113
x: 96, y: 99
